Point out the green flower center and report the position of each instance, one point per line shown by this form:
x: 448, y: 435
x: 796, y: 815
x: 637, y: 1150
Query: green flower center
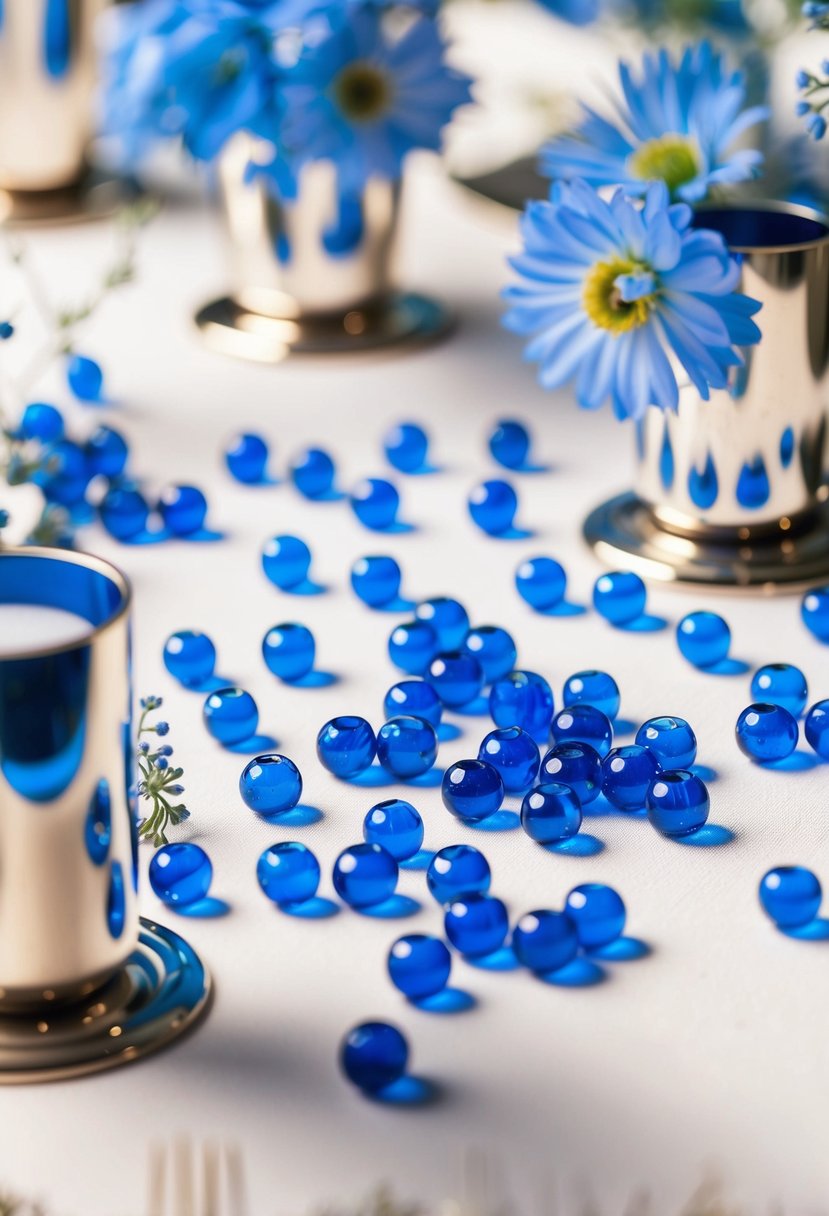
x: 673, y: 159
x: 362, y: 92
x: 603, y: 300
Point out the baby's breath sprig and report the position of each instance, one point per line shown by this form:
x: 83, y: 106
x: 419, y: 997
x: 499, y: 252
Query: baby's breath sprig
x: 159, y: 779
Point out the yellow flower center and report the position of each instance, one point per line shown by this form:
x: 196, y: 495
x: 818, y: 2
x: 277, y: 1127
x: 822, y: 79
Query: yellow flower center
x: 603, y: 301
x: 672, y: 159
x: 362, y: 92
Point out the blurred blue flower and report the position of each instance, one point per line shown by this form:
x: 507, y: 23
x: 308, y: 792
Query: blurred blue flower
x: 611, y: 291
x: 577, y: 12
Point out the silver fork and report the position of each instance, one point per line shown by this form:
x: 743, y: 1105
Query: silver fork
x: 184, y: 1181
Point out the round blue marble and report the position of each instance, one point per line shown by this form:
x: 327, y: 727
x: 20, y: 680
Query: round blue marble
x: 313, y: 472
x: 476, y: 925
x: 456, y: 677
x: 288, y: 873
x: 124, y: 512
x: 816, y: 728
x: 270, y: 784
x: 627, y: 773
x: 575, y: 764
x: 415, y: 698
x: 814, y: 610
x: 246, y: 457
x: 472, y: 790
x: 509, y: 443
x: 375, y: 502
x: 376, y: 580
x: 514, y: 754
x: 106, y: 451
x: 671, y: 740
x: 365, y: 875
x: 766, y: 733
x: 397, y: 826
x: 494, y: 649
x: 85, y: 378
x: 406, y: 446
x: 286, y: 561
x: 545, y: 941
x: 346, y: 746
x: 419, y: 965
x: 703, y: 638
x: 582, y: 724
x: 448, y: 618
x: 41, y: 421
x: 791, y: 896
x: 619, y: 597
x: 180, y: 874
x: 598, y: 912
x: 412, y: 646
x: 230, y: 715
x: 595, y: 688
x: 677, y: 802
x: 493, y: 505
x: 525, y: 699
x: 289, y: 650
x: 458, y: 869
x: 542, y: 582
x: 68, y: 475
x: 407, y: 746
x: 551, y: 813
x: 190, y: 657
x: 781, y: 684
x: 373, y: 1056
x: 183, y: 509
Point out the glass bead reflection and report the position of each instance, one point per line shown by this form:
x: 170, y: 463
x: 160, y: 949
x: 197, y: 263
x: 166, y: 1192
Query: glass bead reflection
x: 677, y: 803
x: 509, y: 443
x: 541, y: 582
x: 286, y: 561
x: 365, y: 875
x: 493, y: 505
x: 814, y: 610
x: 412, y: 646
x: 671, y: 740
x: 231, y: 716
x: 180, y: 874
x: 397, y: 826
x: 270, y: 784
x: 627, y: 773
x: 407, y: 746
x: 816, y: 728
x: 703, y: 638
x: 458, y: 869
x: 376, y: 580
x: 346, y: 746
x: 582, y: 724
x: 620, y: 597
x: 448, y: 618
x: 406, y: 447
x: 419, y: 965
x: 595, y: 688
x: 472, y: 790
x: 190, y: 657
x: 373, y: 1056
x: 598, y: 912
x: 514, y: 754
x: 124, y: 512
x: 545, y: 941
x: 476, y: 925
x: 183, y: 509
x: 289, y: 650
x: 766, y: 733
x: 246, y: 457
x: 313, y: 472
x: 781, y: 684
x: 288, y: 873
x: 416, y: 698
x: 791, y: 896
x: 525, y: 699
x: 375, y: 502
x: 456, y: 677
x: 575, y: 764
x: 494, y: 649
x: 551, y: 813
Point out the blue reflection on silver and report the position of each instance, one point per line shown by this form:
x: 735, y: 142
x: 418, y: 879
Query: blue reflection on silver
x: 57, y: 38
x: 703, y: 487
x: 753, y: 487
x: 116, y: 901
x: 98, y: 826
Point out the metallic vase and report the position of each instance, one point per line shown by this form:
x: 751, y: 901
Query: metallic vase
x: 732, y: 491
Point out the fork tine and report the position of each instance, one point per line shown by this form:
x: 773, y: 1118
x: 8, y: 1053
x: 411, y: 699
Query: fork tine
x: 211, y: 1201
x: 183, y: 1190
x: 156, y: 1179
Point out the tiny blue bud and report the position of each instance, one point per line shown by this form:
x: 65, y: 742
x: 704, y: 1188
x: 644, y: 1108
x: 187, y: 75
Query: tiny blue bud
x: 802, y: 79
x: 162, y: 728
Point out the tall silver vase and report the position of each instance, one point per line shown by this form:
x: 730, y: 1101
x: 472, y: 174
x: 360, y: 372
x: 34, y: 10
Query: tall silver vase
x: 732, y: 492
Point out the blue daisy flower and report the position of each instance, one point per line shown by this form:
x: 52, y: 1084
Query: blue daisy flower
x: 617, y: 293
x: 679, y: 123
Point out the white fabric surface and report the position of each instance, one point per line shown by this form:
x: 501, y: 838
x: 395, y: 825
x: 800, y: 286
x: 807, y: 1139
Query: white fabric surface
x: 712, y: 1051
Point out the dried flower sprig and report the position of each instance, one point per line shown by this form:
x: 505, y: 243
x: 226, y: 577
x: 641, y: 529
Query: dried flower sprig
x: 160, y: 781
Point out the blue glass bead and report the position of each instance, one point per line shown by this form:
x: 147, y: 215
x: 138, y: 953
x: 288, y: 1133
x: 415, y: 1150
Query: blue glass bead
x: 106, y: 452
x: 42, y: 421
x: 595, y: 688
x: 373, y: 1056
x: 124, y: 512
x: 84, y: 377
x: 457, y: 678
x: 288, y: 873
x: 313, y: 472
x: 180, y: 874
x: 365, y: 875
x: 286, y: 561
x: 671, y: 740
x: 781, y: 684
x: 183, y: 509
x: 190, y: 657
x: 814, y: 610
x: 246, y: 457
x: 376, y: 580
x: 493, y: 505
x: 406, y: 446
x: 816, y: 728
x: 582, y: 724
x: 6, y: 331
x: 476, y: 925
x: 542, y: 582
x: 414, y: 698
x: 231, y: 716
x: 457, y: 870
x: 68, y: 476
x: 704, y: 638
x: 545, y: 941
x: 575, y: 764
x: 514, y: 754
x: 551, y: 813
x: 289, y: 650
x: 395, y: 825
x: 619, y: 597
x: 346, y: 746
x: 677, y: 803
x: 494, y: 649
x: 509, y: 444
x: 270, y: 785
x: 419, y: 965
x: 412, y: 646
x: 472, y: 790
x: 598, y: 912
x: 523, y: 699
x: 375, y: 502
x: 627, y: 773
x: 766, y: 733
x: 791, y: 896
x: 448, y: 618
x: 407, y: 746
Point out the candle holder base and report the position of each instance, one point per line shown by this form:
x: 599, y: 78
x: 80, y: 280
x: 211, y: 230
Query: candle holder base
x: 160, y: 993
x: 96, y: 195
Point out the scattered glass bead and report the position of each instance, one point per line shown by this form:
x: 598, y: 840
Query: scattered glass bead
x: 286, y: 561
x: 514, y: 754
x: 627, y: 773
x: 472, y: 790
x: 313, y: 472
x: 66, y: 480
x: 373, y: 1056
x: 231, y: 716
x: 595, y: 688
x: 84, y: 377
x: 781, y: 684
x: 190, y: 657
x: 271, y: 784
x: 183, y: 509
x: 575, y: 764
x: 545, y: 941
x: 494, y: 649
x: 816, y: 728
x: 375, y: 502
x: 288, y: 873
x: 395, y: 825
x: 814, y: 610
x: 493, y: 505
x: 542, y: 582
x: 598, y: 913
x: 406, y: 446
x: 671, y: 740
x: 376, y: 580
x: 551, y: 813
x: 582, y: 724
x: 365, y: 875
x: 124, y: 512
x: 42, y: 421
x: 6, y: 331
x: 412, y: 646
x: 289, y: 650
x: 766, y: 733
x: 346, y: 746
x: 407, y: 746
x: 525, y: 699
x: 509, y: 444
x: 791, y: 896
x: 419, y: 965
x: 619, y: 597
x: 106, y: 451
x: 246, y: 457
x: 704, y: 638
x: 415, y: 698
x: 476, y: 925
x: 448, y: 618
x: 677, y: 803
x: 180, y: 874
x: 458, y: 870
x: 456, y: 677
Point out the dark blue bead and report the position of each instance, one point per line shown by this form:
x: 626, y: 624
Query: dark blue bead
x: 542, y: 582
x: 412, y: 646
x: 415, y: 698
x: 815, y: 612
x: 68, y: 475
x: 288, y: 873
x: 313, y: 472
x: 457, y: 678
x: 545, y: 941
x: 270, y: 785
x: 106, y: 452
x: 619, y: 597
x: 407, y: 746
x: 457, y: 870
x: 183, y: 509
x: 246, y: 457
x: 766, y: 733
x: 373, y: 1056
x: 677, y: 803
x: 493, y: 505
x: 448, y: 618
x: 190, y: 657
x: 551, y: 813
x: 472, y: 790
x: 816, y: 728
x: 85, y: 378
x: 575, y: 764
x: 476, y: 925
x: 671, y: 740
x: 523, y: 699
x: 124, y: 513
x: 286, y: 561
x: 180, y: 874
x: 42, y: 421
x: 598, y: 912
x: 365, y: 875
x: 395, y: 825
x: 231, y: 716
x: 375, y: 502
x: 627, y: 773
x: 346, y: 746
x: 509, y: 444
x: 494, y: 649
x: 419, y: 965
x: 594, y: 688
x: 514, y: 754
x: 781, y: 684
x: 376, y: 580
x: 406, y: 446
x: 6, y: 331
x: 704, y: 638
x: 582, y: 724
x: 791, y: 896
x: 289, y: 650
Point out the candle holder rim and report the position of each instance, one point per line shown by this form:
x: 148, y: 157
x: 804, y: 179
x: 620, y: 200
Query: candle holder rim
x: 773, y: 207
